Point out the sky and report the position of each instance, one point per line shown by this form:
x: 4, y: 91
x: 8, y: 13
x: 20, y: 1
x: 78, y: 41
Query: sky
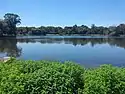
x: 65, y: 12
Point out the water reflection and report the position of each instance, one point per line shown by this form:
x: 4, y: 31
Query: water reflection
x: 9, y: 48
x: 119, y: 42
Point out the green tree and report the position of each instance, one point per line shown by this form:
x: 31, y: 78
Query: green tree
x: 112, y: 30
x: 121, y: 29
x: 3, y: 28
x: 83, y: 29
x: 12, y: 20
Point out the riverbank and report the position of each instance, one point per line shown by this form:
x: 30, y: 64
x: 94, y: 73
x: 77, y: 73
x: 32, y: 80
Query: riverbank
x: 58, y: 36
x: 18, y: 76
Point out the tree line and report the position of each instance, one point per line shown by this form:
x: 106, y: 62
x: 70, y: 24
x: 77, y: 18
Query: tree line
x: 80, y: 30
x: 10, y: 21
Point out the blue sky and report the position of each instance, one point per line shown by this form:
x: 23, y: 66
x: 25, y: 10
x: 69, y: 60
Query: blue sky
x: 66, y: 12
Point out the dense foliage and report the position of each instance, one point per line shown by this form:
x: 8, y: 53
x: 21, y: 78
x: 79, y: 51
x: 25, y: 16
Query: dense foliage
x: 81, y: 30
x: 8, y: 27
x: 47, y: 77
x: 105, y: 80
x: 8, y: 24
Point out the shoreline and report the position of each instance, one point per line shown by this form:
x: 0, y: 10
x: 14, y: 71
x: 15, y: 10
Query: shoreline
x: 60, y: 36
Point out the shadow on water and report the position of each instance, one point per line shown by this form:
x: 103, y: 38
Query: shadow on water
x: 9, y: 48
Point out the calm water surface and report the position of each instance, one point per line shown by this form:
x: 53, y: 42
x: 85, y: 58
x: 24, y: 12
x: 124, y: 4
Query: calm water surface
x: 87, y: 51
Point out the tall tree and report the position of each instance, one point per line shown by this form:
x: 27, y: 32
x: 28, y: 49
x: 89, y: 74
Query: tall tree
x: 12, y: 20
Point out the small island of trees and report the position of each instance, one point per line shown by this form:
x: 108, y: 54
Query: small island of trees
x: 10, y: 21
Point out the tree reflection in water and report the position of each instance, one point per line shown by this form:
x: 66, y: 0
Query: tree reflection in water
x: 119, y: 42
x: 9, y: 47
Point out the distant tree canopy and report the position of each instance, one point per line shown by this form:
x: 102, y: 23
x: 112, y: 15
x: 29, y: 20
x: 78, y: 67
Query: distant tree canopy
x: 8, y: 24
x: 81, y: 30
x: 8, y: 27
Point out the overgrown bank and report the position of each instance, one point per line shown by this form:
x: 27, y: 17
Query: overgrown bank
x: 47, y: 77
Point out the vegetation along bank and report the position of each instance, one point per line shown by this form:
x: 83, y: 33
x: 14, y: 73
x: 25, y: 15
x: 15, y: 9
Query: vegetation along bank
x: 49, y: 77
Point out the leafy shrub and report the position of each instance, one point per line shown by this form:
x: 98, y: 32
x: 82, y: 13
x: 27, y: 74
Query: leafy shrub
x: 105, y: 80
x: 45, y: 77
x: 36, y: 77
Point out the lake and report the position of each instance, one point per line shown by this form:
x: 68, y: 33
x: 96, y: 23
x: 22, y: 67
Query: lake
x: 87, y: 51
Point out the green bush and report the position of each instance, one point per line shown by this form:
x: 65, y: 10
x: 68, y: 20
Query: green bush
x: 48, y: 77
x: 105, y: 80
x: 40, y: 77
